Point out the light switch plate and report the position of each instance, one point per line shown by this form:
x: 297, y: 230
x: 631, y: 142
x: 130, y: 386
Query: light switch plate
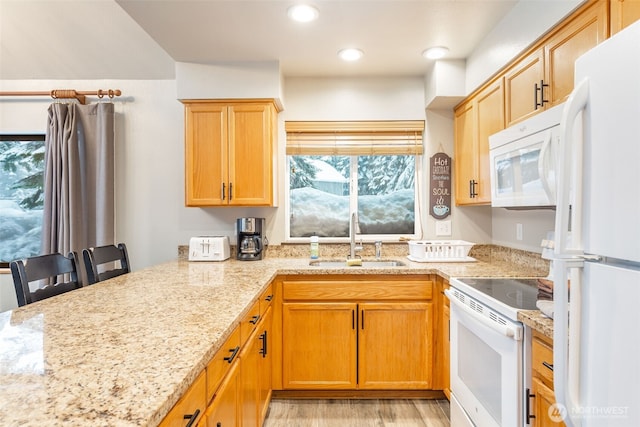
x: 443, y: 228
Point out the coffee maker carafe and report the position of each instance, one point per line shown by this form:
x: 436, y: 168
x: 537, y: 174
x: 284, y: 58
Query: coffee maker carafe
x: 251, y: 242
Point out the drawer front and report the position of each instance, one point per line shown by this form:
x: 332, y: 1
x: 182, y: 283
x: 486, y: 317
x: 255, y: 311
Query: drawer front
x: 222, y: 362
x: 542, y: 359
x: 249, y: 322
x: 360, y: 290
x: 192, y: 403
x: 265, y: 300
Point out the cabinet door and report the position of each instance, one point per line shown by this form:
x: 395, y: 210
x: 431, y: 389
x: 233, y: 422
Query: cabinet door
x: 191, y: 404
x: 465, y: 149
x: 265, y: 365
x: 490, y: 110
x: 445, y: 335
x: 520, y: 82
x: 223, y: 410
x: 319, y: 345
x: 545, y: 413
x: 249, y: 381
x: 578, y: 36
x: 395, y: 346
x: 205, y: 154
x: 250, y: 154
x: 623, y: 14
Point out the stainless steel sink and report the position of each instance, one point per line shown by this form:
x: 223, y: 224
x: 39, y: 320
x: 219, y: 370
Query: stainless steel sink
x: 366, y: 263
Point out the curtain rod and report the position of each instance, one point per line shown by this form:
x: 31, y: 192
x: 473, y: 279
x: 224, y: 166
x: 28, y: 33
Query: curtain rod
x: 68, y: 94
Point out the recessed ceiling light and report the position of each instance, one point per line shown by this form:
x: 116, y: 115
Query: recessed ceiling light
x: 350, y: 54
x: 435, y: 52
x: 303, y: 13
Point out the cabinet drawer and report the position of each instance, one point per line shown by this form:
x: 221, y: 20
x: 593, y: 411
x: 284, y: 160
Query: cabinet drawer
x: 192, y: 403
x: 249, y: 322
x: 542, y: 359
x: 218, y: 367
x: 357, y: 290
x: 265, y: 299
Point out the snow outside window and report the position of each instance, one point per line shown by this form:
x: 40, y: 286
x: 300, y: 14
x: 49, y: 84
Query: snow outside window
x: 21, y: 196
x: 324, y: 190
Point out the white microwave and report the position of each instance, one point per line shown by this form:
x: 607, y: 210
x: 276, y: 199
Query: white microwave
x: 524, y: 160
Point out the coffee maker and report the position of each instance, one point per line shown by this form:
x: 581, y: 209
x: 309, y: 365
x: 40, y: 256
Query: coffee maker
x: 251, y: 242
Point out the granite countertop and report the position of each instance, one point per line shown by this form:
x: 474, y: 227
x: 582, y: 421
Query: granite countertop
x: 538, y: 321
x: 122, y: 352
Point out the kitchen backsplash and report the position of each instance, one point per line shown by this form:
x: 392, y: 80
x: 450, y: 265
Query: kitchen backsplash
x: 487, y: 253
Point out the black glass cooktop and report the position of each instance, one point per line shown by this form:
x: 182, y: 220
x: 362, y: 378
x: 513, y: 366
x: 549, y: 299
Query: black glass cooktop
x: 520, y: 294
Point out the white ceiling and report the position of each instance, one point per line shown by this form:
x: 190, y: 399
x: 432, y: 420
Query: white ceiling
x: 141, y: 39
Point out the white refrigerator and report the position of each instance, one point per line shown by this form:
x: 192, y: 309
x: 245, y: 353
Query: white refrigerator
x: 596, y: 260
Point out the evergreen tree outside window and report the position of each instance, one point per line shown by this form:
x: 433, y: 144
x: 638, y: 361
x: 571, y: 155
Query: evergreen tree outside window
x: 369, y: 168
x: 21, y: 196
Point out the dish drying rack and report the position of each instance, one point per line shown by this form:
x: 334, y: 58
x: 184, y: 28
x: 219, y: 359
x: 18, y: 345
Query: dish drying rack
x: 440, y: 251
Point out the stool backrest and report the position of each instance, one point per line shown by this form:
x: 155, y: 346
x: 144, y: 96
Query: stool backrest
x: 52, y: 271
x: 98, y: 258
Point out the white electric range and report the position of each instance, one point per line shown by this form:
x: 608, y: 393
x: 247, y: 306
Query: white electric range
x: 489, y: 352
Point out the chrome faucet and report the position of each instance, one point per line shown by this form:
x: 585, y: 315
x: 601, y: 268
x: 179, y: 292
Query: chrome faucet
x: 353, y: 229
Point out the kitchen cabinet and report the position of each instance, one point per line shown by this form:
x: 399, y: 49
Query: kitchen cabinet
x: 255, y: 373
x: 623, y: 13
x: 190, y: 408
x: 479, y: 117
x: 541, y: 398
x: 373, y: 333
x: 235, y: 388
x: 543, y: 77
x: 229, y: 152
x: 442, y: 339
x: 223, y: 410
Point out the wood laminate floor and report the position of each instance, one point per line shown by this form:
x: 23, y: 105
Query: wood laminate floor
x: 358, y: 413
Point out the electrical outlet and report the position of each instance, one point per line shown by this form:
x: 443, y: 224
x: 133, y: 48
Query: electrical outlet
x: 519, y: 231
x: 443, y: 228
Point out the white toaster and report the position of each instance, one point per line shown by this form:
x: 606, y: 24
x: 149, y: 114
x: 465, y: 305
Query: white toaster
x: 209, y: 248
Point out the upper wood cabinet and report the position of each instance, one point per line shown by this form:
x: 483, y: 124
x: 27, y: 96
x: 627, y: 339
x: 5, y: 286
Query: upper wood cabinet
x: 229, y: 152
x: 544, y: 76
x: 623, y: 14
x: 481, y: 116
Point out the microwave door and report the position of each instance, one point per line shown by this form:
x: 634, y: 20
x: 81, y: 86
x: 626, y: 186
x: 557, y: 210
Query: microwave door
x: 522, y: 172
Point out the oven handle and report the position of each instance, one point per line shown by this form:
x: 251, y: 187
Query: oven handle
x: 506, y: 330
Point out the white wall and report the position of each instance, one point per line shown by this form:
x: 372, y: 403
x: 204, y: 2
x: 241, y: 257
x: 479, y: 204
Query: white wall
x: 150, y: 215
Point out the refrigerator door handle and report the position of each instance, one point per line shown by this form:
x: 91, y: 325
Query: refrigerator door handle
x: 569, y: 151
x: 566, y: 339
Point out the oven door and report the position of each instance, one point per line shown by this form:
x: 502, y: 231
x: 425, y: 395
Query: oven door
x: 486, y: 365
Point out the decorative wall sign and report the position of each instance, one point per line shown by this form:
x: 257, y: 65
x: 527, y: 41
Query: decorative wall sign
x: 440, y: 186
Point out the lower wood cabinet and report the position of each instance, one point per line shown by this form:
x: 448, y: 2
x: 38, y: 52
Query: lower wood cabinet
x: 357, y: 333
x: 189, y: 411
x: 223, y: 410
x: 235, y: 388
x: 255, y: 374
x: 442, y: 339
x: 395, y: 345
x: 541, y: 397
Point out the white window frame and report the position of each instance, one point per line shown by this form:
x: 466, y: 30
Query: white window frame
x: 353, y: 200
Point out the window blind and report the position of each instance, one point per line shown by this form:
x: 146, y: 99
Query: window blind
x: 354, y: 137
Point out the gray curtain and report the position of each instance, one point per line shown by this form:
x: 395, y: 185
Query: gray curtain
x: 78, y: 177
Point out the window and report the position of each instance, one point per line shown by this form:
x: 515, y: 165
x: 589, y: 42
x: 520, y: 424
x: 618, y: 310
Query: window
x: 21, y: 196
x: 370, y: 168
